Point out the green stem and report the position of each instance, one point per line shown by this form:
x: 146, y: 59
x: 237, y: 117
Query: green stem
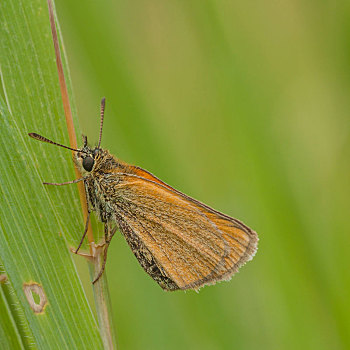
x: 103, y: 304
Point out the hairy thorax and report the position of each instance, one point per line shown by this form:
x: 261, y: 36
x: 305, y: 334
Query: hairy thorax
x: 101, y: 182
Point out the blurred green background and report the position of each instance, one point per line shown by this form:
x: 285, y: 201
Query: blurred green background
x: 244, y: 106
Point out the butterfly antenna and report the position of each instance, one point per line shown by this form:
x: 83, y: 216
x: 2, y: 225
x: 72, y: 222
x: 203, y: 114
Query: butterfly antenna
x: 44, y: 139
x: 103, y: 103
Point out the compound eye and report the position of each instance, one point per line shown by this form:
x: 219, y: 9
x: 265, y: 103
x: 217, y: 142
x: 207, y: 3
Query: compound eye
x: 88, y: 163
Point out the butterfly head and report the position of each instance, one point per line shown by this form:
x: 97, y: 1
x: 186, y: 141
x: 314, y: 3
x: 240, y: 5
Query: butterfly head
x: 87, y: 157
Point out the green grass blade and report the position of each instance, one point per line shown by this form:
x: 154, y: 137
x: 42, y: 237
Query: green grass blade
x: 15, y: 332
x: 37, y: 224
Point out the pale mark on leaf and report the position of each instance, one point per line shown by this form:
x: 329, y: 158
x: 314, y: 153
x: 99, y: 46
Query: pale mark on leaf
x: 36, y: 296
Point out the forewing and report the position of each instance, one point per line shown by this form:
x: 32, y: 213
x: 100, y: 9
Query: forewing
x: 192, y: 244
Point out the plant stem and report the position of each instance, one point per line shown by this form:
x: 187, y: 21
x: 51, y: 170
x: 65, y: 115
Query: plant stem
x: 102, y: 303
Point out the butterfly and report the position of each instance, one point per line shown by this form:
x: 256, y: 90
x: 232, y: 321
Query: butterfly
x: 179, y: 241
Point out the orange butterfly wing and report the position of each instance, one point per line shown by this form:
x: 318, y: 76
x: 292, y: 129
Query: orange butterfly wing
x: 192, y: 244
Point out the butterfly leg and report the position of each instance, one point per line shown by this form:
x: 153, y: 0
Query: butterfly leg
x: 85, y: 231
x: 88, y: 216
x: 108, y: 237
x: 64, y: 183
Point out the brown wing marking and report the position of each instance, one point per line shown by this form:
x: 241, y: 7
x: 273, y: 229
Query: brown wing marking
x: 144, y: 256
